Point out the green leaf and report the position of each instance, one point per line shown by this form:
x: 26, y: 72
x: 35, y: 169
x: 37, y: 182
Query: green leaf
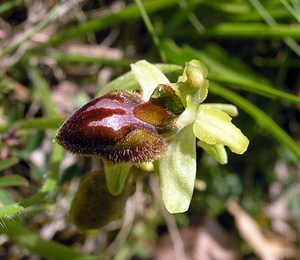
x: 116, y: 176
x: 148, y: 76
x: 214, y: 126
x: 217, y: 151
x: 4, y: 164
x: 177, y: 171
x: 12, y: 180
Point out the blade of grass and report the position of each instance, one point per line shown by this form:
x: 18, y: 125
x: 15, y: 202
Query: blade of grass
x: 192, y: 17
x: 253, y: 87
x: 72, y: 58
x: 4, y: 164
x: 289, y: 7
x: 9, y: 5
x: 48, y: 186
x: 214, y: 57
x: 128, y: 13
x: 5, y: 198
x: 259, y: 116
x: 179, y: 17
x: 43, y: 90
x: 150, y: 28
x: 236, y: 74
x: 255, y: 17
x: 244, y: 31
x: 34, y: 123
x: 277, y: 12
x: 230, y: 7
x: 34, y: 243
x: 12, y: 180
x: 289, y: 41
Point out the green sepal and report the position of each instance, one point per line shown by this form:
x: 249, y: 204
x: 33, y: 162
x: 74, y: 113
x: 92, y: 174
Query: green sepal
x: 177, y: 171
x: 116, y: 176
x: 214, y: 126
x: 217, y: 151
x: 148, y: 76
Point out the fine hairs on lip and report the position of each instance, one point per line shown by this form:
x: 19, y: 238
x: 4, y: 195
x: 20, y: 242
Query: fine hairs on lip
x: 118, y: 127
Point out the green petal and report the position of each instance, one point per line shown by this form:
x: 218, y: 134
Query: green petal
x: 177, y: 171
x: 189, y: 114
x: 214, y: 126
x: 148, y: 77
x: 116, y: 176
x: 195, y: 73
x: 227, y: 108
x: 215, y: 150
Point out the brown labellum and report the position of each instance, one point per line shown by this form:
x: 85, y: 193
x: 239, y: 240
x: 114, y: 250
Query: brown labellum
x: 118, y: 127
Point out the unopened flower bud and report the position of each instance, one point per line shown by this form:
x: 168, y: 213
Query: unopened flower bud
x: 93, y: 205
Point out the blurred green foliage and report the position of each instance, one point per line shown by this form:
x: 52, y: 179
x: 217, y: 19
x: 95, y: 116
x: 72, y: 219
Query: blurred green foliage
x: 252, y: 53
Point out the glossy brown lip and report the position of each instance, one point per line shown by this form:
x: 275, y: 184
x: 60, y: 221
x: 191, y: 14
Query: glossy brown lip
x: 118, y: 127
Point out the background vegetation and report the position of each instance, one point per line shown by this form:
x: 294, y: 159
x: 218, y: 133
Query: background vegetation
x: 57, y: 55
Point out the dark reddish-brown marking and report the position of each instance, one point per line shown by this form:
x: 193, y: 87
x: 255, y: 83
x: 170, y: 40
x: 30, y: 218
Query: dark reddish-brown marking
x: 103, y: 127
